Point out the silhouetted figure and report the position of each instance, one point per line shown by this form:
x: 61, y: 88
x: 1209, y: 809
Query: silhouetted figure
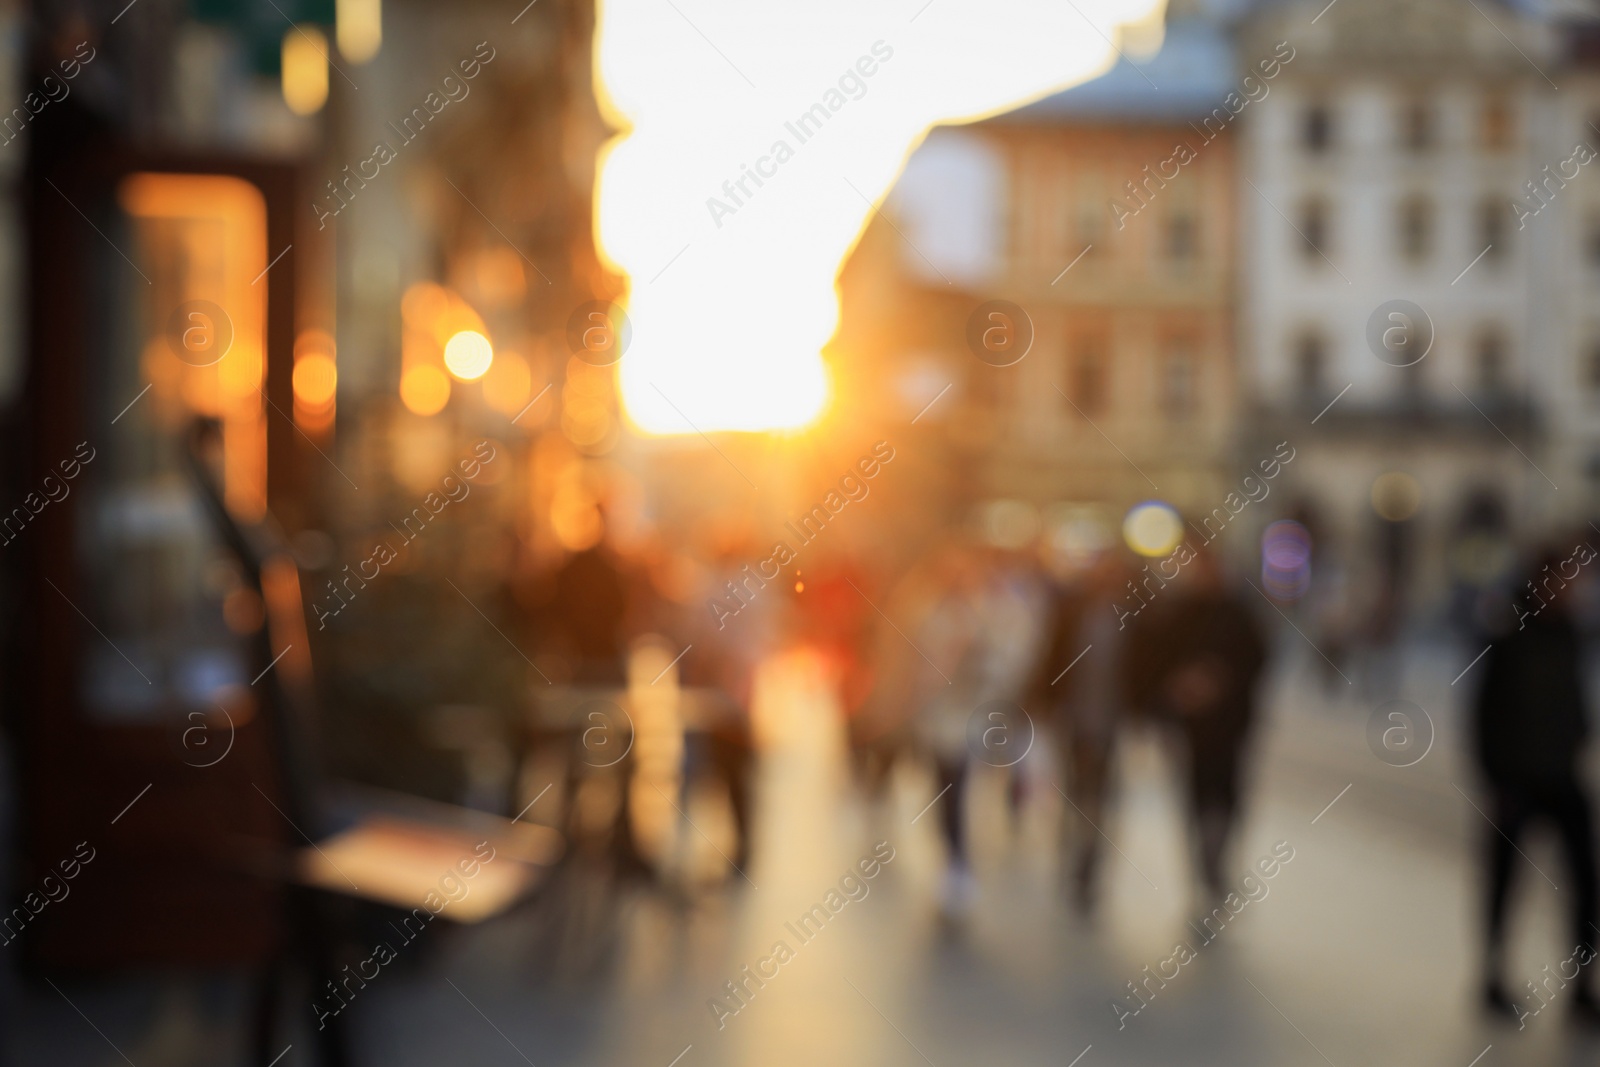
x: 588, y: 612
x: 1528, y: 733
x: 1088, y: 703
x: 950, y: 634
x: 1194, y: 660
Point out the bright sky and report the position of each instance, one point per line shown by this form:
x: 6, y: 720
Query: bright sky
x: 732, y: 288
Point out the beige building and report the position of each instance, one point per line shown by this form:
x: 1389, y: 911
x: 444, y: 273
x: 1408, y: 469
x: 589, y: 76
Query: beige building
x: 1106, y: 214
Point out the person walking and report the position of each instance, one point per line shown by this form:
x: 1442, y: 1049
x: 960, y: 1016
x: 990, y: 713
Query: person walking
x: 1087, y: 701
x: 1528, y: 731
x: 1195, y: 663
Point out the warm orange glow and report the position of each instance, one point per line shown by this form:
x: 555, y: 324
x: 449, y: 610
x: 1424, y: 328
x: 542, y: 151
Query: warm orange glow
x: 214, y: 229
x: 423, y: 304
x: 574, y: 511
x: 305, y: 70
x: 508, y: 385
x: 457, y: 318
x: 468, y: 355
x: 316, y: 378
x: 315, y: 381
x: 498, y: 275
x: 586, y: 405
x: 424, y: 389
x: 732, y: 293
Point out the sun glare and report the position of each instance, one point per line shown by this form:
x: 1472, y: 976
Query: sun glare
x: 757, y: 140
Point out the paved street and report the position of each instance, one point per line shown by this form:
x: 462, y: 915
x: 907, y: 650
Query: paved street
x: 1360, y: 952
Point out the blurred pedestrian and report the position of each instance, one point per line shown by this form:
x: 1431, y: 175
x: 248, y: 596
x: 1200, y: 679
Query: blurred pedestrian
x: 983, y: 632
x: 1529, y: 728
x: 948, y: 636
x: 1087, y: 702
x: 1195, y: 661
x: 588, y: 613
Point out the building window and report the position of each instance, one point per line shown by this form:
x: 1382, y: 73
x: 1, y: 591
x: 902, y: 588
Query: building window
x: 1178, y: 380
x: 1316, y: 129
x: 1416, y: 227
x: 1090, y: 214
x: 1313, y: 228
x: 1493, y: 233
x: 1495, y: 124
x: 1087, y: 383
x: 1183, y: 236
x: 1416, y: 126
x: 1310, y: 363
x: 1490, y: 370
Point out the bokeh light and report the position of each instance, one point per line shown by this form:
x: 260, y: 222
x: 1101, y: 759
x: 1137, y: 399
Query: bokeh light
x: 468, y: 355
x: 1286, y: 560
x: 1396, y: 496
x: 358, y: 27
x: 497, y: 277
x: 305, y: 70
x: 1153, y: 528
x: 316, y: 379
x: 424, y: 389
x: 423, y: 304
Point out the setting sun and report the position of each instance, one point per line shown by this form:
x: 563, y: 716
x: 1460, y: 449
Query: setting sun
x: 744, y: 179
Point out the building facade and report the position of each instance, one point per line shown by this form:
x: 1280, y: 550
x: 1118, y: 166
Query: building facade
x: 1106, y: 215
x: 1407, y: 322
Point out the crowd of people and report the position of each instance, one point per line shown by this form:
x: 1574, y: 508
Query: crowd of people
x: 977, y: 646
x: 990, y: 630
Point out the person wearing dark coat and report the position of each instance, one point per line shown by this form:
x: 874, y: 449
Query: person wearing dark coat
x: 1087, y: 701
x: 589, y: 612
x: 1195, y: 655
x: 1528, y: 731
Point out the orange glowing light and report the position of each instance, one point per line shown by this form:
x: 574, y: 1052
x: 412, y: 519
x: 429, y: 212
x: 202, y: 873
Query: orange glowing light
x: 213, y: 230
x: 316, y: 379
x: 732, y: 222
x: 424, y: 389
x: 468, y: 355
x: 424, y: 304
x: 499, y: 277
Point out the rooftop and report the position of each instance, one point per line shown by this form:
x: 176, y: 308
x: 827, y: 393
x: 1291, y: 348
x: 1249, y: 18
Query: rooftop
x: 1188, y: 75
